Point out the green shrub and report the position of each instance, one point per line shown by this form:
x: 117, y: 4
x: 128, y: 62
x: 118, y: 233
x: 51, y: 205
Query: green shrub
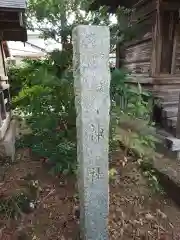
x: 17, y: 78
x: 132, y: 125
x: 47, y: 102
x: 21, y: 76
x: 132, y: 120
x: 46, y: 98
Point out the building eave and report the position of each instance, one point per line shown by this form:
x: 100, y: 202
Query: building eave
x: 112, y: 4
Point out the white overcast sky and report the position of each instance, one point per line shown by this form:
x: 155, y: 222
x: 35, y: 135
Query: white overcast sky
x: 18, y: 48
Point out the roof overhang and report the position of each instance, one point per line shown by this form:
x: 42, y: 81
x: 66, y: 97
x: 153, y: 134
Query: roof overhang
x: 12, y: 24
x: 13, y: 4
x: 112, y: 4
x: 14, y: 35
x: 6, y: 49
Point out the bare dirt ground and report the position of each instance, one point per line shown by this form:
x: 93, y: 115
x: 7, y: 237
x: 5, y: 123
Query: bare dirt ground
x: 135, y: 213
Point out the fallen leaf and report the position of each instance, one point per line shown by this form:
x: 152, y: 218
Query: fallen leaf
x: 170, y: 224
x: 161, y: 214
x: 149, y: 217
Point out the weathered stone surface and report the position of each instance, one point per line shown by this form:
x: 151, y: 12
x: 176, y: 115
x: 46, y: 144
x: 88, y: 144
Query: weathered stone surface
x: 168, y: 171
x: 5, y: 125
x: 173, y: 144
x: 7, y: 145
x: 92, y: 80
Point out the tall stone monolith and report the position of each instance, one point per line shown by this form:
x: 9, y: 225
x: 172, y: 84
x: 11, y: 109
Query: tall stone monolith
x: 91, y: 45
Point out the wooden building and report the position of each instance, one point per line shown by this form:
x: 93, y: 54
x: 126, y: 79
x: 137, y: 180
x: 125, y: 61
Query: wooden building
x: 153, y: 56
x: 12, y: 28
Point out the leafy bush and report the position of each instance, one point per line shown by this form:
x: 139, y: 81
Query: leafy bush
x: 132, y: 126
x: 47, y: 102
x: 46, y: 99
x: 132, y: 119
x: 22, y: 75
x: 17, y: 78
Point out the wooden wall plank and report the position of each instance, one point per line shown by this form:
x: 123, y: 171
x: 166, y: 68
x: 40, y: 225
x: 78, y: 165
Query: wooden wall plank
x: 157, y: 42
x: 138, y: 67
x: 176, y: 56
x: 144, y: 10
x: 138, y: 53
x: 16, y: 4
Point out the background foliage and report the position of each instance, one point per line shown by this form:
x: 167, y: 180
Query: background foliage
x: 46, y: 100
x: 55, y: 19
x: 43, y: 91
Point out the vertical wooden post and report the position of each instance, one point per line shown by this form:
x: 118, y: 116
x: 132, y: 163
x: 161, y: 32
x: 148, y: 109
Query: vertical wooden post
x: 178, y: 121
x: 175, y: 44
x: 117, y: 56
x: 157, y: 43
x: 2, y: 53
x: 173, y: 66
x: 0, y: 116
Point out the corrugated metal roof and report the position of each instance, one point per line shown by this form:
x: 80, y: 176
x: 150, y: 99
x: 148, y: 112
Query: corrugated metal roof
x: 35, y: 45
x: 19, y: 48
x: 20, y: 4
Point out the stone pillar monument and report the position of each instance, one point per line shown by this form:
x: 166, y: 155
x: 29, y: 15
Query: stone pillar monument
x: 91, y: 46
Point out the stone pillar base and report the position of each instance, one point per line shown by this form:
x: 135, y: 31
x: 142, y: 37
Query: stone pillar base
x: 7, y: 144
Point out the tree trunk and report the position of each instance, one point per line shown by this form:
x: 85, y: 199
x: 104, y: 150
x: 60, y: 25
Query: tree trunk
x: 64, y: 37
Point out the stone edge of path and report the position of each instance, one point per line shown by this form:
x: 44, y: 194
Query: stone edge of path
x: 167, y: 170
